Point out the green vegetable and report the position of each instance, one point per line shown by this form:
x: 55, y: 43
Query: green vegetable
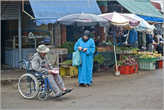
x: 99, y: 59
x: 109, y: 43
x: 120, y: 62
x: 67, y: 62
x: 69, y: 46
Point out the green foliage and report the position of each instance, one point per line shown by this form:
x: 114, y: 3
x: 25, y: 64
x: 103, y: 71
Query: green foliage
x: 69, y: 46
x: 109, y: 43
x: 67, y: 62
x: 99, y: 59
x: 120, y: 62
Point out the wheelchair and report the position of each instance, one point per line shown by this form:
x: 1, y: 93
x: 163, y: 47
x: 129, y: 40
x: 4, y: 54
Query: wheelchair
x: 33, y: 84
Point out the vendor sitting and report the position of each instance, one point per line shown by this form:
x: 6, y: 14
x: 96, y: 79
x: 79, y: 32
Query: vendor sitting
x: 149, y: 41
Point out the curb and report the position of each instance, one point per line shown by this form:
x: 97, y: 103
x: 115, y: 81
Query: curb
x: 8, y: 81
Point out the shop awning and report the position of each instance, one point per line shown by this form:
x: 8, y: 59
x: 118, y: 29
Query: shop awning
x: 48, y: 11
x: 144, y: 8
x: 151, y: 19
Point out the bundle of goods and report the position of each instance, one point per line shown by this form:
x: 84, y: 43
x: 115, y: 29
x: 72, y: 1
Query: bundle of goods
x: 128, y: 65
x: 159, y: 64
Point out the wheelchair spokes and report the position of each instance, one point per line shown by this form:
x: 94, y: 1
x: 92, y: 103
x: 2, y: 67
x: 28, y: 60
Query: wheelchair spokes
x: 28, y: 86
x: 44, y: 90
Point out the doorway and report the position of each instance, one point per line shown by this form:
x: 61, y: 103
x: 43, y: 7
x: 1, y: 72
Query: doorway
x: 4, y: 34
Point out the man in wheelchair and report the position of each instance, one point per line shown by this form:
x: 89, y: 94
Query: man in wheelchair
x: 39, y: 63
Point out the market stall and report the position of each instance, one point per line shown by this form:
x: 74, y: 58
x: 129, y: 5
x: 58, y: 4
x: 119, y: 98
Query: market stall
x: 104, y: 51
x: 129, y: 58
x: 117, y: 20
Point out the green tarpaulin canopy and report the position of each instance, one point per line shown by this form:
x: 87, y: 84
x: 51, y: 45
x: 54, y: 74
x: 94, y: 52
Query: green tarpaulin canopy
x: 141, y: 7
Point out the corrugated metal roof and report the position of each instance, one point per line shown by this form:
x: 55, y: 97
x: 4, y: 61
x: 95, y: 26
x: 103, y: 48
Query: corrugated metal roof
x: 141, y: 7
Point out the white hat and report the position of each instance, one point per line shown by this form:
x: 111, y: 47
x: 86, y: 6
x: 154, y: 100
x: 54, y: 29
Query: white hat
x: 42, y: 49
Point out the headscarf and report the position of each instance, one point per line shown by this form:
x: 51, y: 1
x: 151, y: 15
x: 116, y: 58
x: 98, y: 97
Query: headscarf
x: 86, y: 33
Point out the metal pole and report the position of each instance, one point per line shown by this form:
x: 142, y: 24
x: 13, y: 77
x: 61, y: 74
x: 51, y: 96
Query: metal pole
x: 20, y: 33
x: 115, y: 56
x: 35, y: 42
x: 117, y: 73
x: 52, y: 34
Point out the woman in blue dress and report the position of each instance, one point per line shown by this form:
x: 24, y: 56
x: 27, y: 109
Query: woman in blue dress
x: 86, y: 46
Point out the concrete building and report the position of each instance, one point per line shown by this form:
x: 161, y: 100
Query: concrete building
x: 21, y: 33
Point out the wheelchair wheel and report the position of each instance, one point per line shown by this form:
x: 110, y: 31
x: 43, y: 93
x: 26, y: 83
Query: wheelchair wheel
x: 42, y: 96
x: 28, y: 86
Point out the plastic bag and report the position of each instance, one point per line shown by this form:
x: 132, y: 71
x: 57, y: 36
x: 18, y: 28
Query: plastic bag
x: 76, y: 59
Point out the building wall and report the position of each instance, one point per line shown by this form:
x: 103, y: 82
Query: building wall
x: 9, y: 10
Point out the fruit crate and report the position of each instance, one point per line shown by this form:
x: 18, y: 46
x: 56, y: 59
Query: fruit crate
x: 73, y: 71
x: 159, y: 64
x: 147, y: 65
x: 69, y: 71
x: 133, y: 68
x: 63, y: 71
x: 147, y: 59
x: 128, y: 69
x: 124, y: 69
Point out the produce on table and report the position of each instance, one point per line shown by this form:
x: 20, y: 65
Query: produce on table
x: 127, y: 60
x: 125, y: 50
x: 148, y: 55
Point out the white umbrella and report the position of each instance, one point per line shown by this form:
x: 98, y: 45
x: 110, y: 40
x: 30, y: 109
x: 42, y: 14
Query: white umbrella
x: 83, y: 19
x: 120, y: 20
x: 115, y: 18
x: 143, y: 25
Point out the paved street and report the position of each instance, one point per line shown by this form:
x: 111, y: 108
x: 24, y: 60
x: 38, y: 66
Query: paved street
x: 141, y: 91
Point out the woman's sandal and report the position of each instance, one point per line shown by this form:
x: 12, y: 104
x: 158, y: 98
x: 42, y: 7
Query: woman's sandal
x: 82, y: 85
x: 88, y: 85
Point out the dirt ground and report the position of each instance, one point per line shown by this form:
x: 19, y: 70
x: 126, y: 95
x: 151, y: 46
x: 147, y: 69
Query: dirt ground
x: 141, y: 91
